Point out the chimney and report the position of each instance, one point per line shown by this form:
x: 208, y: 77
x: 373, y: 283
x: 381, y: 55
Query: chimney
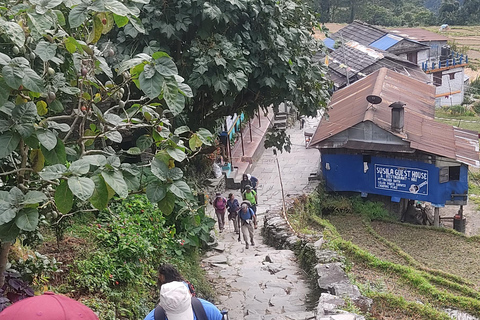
x: 397, y: 116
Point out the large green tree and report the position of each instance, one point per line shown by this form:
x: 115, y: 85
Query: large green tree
x: 237, y: 55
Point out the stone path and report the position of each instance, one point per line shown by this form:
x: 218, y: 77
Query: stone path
x: 261, y: 282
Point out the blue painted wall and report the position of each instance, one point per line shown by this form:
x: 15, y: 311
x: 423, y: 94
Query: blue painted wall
x: 390, y: 177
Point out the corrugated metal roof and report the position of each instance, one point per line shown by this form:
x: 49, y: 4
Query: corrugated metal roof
x: 385, y: 42
x: 357, y: 58
x: 419, y: 34
x: 330, y: 43
x: 360, y: 32
x: 349, y: 107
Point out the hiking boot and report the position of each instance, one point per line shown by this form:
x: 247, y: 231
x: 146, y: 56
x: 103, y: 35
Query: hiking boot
x: 246, y: 246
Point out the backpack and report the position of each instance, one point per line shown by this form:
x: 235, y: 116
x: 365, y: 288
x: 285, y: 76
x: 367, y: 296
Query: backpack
x: 200, y: 314
x: 220, y: 206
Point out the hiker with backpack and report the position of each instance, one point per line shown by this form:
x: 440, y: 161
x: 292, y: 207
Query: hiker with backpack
x: 251, y: 196
x: 220, y: 205
x: 176, y: 303
x: 245, y: 219
x: 233, y: 206
x: 168, y: 273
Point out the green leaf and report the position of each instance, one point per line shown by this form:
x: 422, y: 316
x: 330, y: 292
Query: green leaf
x: 165, y: 66
x: 159, y: 169
x: 79, y: 167
x: 185, y: 90
x: 144, y: 142
x: 9, y: 231
x: 114, y: 135
x: 117, y: 7
x: 78, y: 15
x: 176, y: 154
x: 32, y: 81
x: 120, y: 21
x: 71, y: 44
x: 167, y: 204
x: 5, y: 125
x: 46, y: 50
x: 239, y: 79
x: 115, y: 181
x: 34, y: 197
x: 9, y: 142
x: 155, y: 192
x: 175, y: 174
x: 205, y: 135
x: 42, y: 6
x: 56, y: 106
x: 180, y: 189
x: 14, y: 32
x: 12, y: 76
x: 151, y: 87
x: 96, y: 160
x: 57, y: 155
x: 97, y: 30
x: 53, y: 172
x: 27, y: 219
x: 100, y: 197
x: 47, y: 138
x: 181, y: 130
x: 81, y: 187
x: 63, y: 197
x: 4, y: 92
x: 194, y: 142
x: 15, y: 196
x: 4, y: 59
x: 7, y: 213
x: 60, y: 17
x: 221, y: 85
x: 132, y: 181
x: 134, y: 151
x: 137, y: 24
x: 212, y: 11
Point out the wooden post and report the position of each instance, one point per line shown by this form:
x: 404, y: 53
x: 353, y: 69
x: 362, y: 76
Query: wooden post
x: 241, y: 137
x: 259, y: 122
x: 436, y: 217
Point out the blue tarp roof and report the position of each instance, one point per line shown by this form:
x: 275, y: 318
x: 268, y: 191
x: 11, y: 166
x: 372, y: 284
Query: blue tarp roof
x: 385, y: 42
x: 330, y: 43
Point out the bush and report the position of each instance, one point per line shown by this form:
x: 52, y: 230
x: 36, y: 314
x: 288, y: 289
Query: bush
x: 132, y: 238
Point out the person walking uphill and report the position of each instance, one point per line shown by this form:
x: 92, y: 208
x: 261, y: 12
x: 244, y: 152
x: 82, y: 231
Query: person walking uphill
x: 220, y: 205
x: 233, y: 206
x: 244, y: 183
x: 176, y: 303
x: 245, y: 219
x: 251, y: 196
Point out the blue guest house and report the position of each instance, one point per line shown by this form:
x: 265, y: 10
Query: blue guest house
x: 380, y: 138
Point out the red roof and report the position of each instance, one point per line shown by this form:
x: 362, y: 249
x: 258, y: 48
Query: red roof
x: 349, y: 107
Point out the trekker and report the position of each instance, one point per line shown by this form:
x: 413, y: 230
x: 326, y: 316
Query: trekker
x: 251, y: 196
x: 245, y: 219
x: 245, y: 182
x: 176, y: 303
x: 220, y: 205
x: 168, y: 273
x: 254, y: 182
x: 233, y: 206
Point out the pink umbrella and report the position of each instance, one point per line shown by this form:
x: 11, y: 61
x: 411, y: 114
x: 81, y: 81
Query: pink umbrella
x: 49, y: 306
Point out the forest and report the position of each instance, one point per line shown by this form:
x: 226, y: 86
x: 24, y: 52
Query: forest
x: 409, y: 13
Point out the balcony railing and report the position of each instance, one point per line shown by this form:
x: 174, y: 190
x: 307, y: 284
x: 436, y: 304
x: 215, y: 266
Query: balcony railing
x: 454, y: 59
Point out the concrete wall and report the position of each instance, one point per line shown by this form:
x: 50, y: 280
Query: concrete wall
x: 455, y: 86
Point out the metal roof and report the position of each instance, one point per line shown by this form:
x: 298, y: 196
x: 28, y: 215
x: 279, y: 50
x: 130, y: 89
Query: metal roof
x: 357, y: 58
x: 385, y: 42
x: 360, y: 32
x: 349, y: 107
x: 330, y: 43
x: 419, y: 34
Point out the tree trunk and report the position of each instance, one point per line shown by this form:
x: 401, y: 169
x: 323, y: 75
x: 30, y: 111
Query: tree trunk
x: 5, y: 248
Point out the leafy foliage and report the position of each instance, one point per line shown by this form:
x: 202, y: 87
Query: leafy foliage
x: 14, y: 289
x: 236, y: 55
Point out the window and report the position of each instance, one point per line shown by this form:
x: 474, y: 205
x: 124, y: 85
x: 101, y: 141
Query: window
x: 452, y: 76
x: 412, y: 57
x: 437, y: 78
x: 454, y: 173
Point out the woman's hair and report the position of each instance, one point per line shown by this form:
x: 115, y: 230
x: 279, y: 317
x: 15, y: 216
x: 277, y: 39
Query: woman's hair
x: 230, y: 196
x: 245, y: 177
x: 170, y: 273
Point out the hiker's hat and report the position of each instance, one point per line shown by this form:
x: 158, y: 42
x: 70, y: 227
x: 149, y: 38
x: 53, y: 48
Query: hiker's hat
x: 248, y: 187
x: 176, y: 300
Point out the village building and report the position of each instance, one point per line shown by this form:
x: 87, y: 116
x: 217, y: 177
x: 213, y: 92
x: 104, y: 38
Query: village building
x: 381, y: 138
x: 443, y: 67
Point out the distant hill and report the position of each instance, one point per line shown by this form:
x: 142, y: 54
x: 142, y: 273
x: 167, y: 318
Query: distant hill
x: 434, y: 5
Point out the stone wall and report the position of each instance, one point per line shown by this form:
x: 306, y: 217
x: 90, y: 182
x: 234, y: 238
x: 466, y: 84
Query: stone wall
x: 325, y: 267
